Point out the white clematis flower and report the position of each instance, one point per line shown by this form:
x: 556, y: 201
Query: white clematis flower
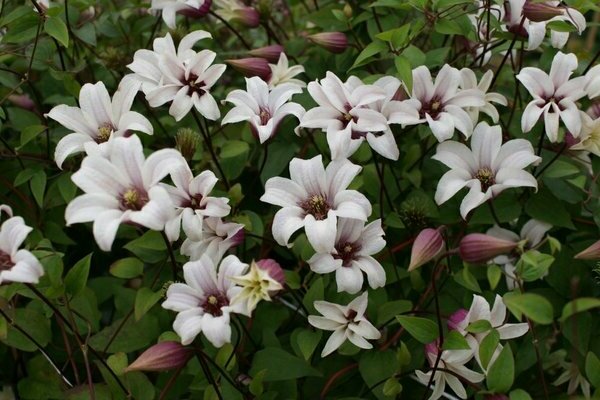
x: 99, y: 119
x: 453, y: 363
x: 256, y: 285
x: 264, y: 109
x: 469, y: 81
x: 183, y: 76
x: 531, y: 234
x: 346, y: 322
x: 443, y: 104
x: 343, y: 112
x: 191, y: 199
x: 351, y: 256
x: 589, y: 140
x: 314, y: 198
x: 486, y: 169
x: 554, y: 96
x: 189, y: 8
x: 122, y: 188
x: 204, y: 301
x: 283, y: 73
x: 16, y: 265
x: 217, y: 237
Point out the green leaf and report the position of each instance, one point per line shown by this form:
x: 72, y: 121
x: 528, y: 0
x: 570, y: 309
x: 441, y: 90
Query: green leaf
x: 308, y: 341
x: 150, y: 247
x: 392, y: 387
x: 455, y: 341
x: 234, y: 148
x: 30, y: 133
x: 371, y: 50
x: 579, y: 305
x: 534, y: 306
x: 389, y: 310
x: 488, y: 346
x: 375, y: 366
x: 34, y: 323
x: 547, y: 208
x: 56, y: 28
x: 118, y: 362
x: 466, y: 279
x: 494, y: 273
x: 145, y: 299
x: 519, y: 394
x: 422, y: 329
x: 256, y: 385
x: 501, y: 374
x: 314, y: 293
x: 127, y: 268
x: 76, y: 278
x: 280, y: 365
x: 405, y: 72
x: 480, y: 326
x: 592, y: 369
x: 130, y: 335
x: 38, y: 187
x: 534, y: 265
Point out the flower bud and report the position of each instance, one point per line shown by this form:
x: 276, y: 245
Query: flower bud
x: 594, y: 110
x: 238, y: 237
x: 196, y: 12
x: 247, y: 16
x: 22, y: 101
x: 479, y: 248
x: 252, y: 66
x: 540, y: 12
x: 269, y: 53
x: 591, y: 253
x: 335, y: 42
x: 348, y: 10
x: 161, y: 357
x: 273, y: 269
x: 186, y: 141
x: 428, y: 245
x: 457, y: 318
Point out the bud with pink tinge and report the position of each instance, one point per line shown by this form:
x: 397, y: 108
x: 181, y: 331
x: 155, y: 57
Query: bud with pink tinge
x: 162, y: 356
x: 252, y: 66
x: 594, y: 110
x: 247, y: 16
x: 479, y: 248
x: 540, y: 12
x: 269, y: 53
x: 273, y: 269
x: 22, y: 100
x: 591, y: 253
x: 335, y: 42
x: 196, y: 12
x: 428, y: 245
x: 457, y: 318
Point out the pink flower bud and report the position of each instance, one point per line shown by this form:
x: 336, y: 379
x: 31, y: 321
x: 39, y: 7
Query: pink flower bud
x: 540, y: 12
x: 273, y: 269
x: 479, y: 248
x: 269, y: 53
x: 161, y: 357
x: 594, y: 111
x: 22, y: 101
x: 238, y: 238
x: 194, y: 12
x: 335, y: 42
x: 252, y: 66
x: 247, y: 16
x: 456, y: 318
x: 591, y: 253
x: 428, y: 245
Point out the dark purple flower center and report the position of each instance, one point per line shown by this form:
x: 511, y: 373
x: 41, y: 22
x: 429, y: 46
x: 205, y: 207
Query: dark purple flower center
x: 487, y: 178
x: 133, y: 199
x: 265, y: 116
x: 317, y: 206
x: 6, y: 262
x: 433, y: 107
x: 351, y: 315
x: 346, y: 252
x: 214, y: 302
x: 195, y: 202
x: 195, y: 87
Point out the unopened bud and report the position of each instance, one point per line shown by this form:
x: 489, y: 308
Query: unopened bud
x: 347, y: 10
x: 591, y: 253
x: 594, y: 110
x: 479, y: 248
x: 22, y: 101
x: 335, y: 42
x: 540, y: 12
x: 196, y: 12
x: 457, y: 318
x: 161, y: 357
x: 269, y: 53
x: 186, y: 141
x: 252, y: 66
x: 273, y: 269
x: 428, y: 245
x: 247, y: 16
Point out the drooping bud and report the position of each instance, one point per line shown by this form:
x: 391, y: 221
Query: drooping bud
x: 335, y: 42
x: 252, y: 66
x: 479, y: 248
x: 270, y: 53
x: 22, y: 101
x: 186, y: 141
x: 196, y: 12
x: 273, y: 269
x: 591, y: 253
x: 457, y: 318
x: 162, y: 356
x: 540, y: 12
x: 247, y: 16
x: 428, y: 245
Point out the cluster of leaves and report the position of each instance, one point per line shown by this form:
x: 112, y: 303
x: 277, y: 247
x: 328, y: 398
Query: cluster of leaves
x: 73, y: 335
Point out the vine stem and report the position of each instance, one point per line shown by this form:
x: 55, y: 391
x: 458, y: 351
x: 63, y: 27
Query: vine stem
x: 231, y: 28
x: 171, y: 255
x: 208, y: 142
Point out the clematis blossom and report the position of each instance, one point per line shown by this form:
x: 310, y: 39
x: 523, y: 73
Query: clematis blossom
x: 469, y: 81
x: 98, y: 118
x: 347, y: 323
x: 554, y: 96
x: 314, y: 198
x: 122, y: 187
x: 264, y: 109
x: 487, y: 169
x: 217, y: 237
x: 283, y: 73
